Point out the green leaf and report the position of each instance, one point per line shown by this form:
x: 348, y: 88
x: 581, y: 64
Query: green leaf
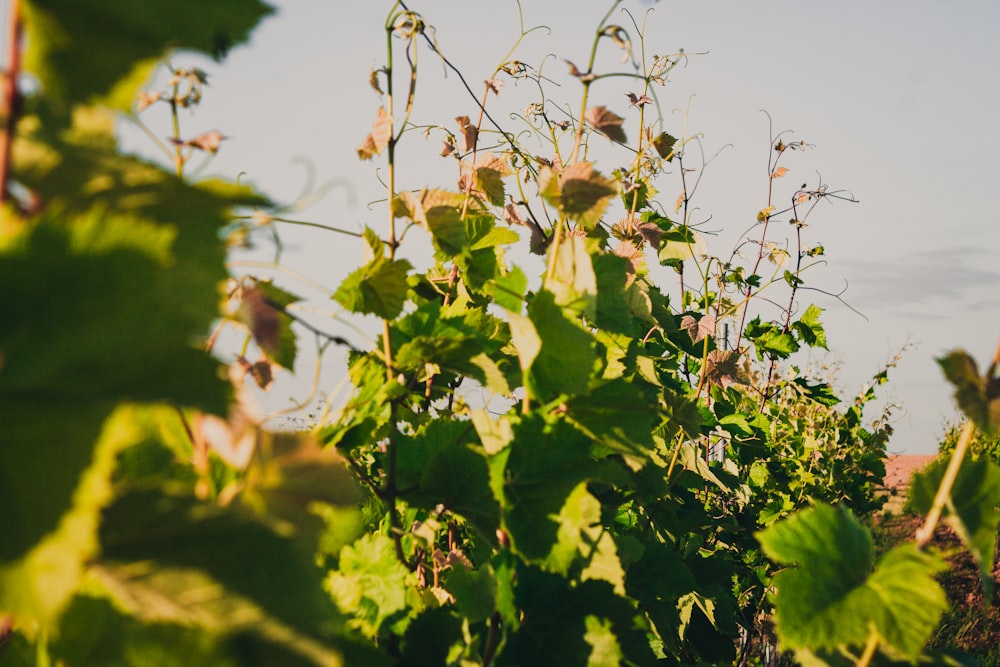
x: 821, y: 392
x: 834, y: 596
x: 377, y: 288
x: 583, y: 546
x: 45, y: 561
x: 620, y: 415
x: 972, y: 508
x: 573, y: 625
x: 809, y: 329
x: 566, y: 359
x: 81, y: 50
x: 371, y: 584
x: 508, y: 289
x: 573, y: 283
x: 977, y: 397
x: 447, y: 230
x: 475, y: 592
x: 429, y: 638
x: 780, y: 344
x: 534, y: 476
x: 446, y: 466
x: 93, y: 631
x: 241, y: 554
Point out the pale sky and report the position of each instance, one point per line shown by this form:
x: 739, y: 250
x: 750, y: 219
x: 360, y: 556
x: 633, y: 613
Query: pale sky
x: 899, y: 99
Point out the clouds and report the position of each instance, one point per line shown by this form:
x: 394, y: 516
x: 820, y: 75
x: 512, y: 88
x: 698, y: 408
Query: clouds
x: 918, y: 284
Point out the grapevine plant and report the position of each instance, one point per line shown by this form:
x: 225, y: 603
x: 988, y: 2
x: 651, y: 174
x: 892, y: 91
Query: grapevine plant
x: 564, y: 459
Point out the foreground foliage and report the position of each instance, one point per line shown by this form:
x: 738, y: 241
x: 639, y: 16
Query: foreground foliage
x: 625, y: 484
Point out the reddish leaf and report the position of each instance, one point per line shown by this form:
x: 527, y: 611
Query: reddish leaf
x: 373, y: 81
x: 582, y: 76
x: 580, y: 192
x: 539, y: 241
x: 144, y: 100
x: 512, y: 216
x: 494, y: 85
x: 208, y: 142
x: 779, y: 172
x: 722, y: 368
x: 636, y: 260
x: 378, y: 138
x: 698, y: 329
x: 651, y: 232
x: 638, y: 101
x: 470, y: 133
x: 607, y: 123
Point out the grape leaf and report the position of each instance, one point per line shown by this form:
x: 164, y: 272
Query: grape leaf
x: 371, y: 583
x: 835, y: 595
x: 534, y: 475
x: 445, y: 465
x: 698, y: 329
x: 809, y: 329
x: 664, y: 145
x: 377, y: 140
x: 579, y: 192
x: 80, y: 50
x: 566, y: 358
x: 607, y: 123
x: 177, y: 532
x: 379, y: 287
x: 977, y: 397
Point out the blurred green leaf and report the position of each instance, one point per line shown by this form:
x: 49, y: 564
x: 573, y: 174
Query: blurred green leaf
x: 238, y: 552
x: 85, y: 49
x: 978, y: 397
x: 973, y: 509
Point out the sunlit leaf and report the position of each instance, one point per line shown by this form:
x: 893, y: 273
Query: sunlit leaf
x: 834, y: 594
x: 378, y: 138
x: 566, y: 358
x: 371, y: 584
x: 579, y: 191
x: 700, y: 328
x: 177, y: 532
x: 379, y: 287
x: 470, y: 133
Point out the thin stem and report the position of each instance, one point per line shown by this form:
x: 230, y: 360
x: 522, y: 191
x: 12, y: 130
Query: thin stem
x: 870, y: 647
x: 9, y: 109
x: 176, y: 123
x: 317, y: 225
x: 926, y: 532
x: 578, y: 140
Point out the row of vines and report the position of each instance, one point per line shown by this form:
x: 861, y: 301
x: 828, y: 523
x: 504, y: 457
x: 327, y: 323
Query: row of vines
x: 602, y: 454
